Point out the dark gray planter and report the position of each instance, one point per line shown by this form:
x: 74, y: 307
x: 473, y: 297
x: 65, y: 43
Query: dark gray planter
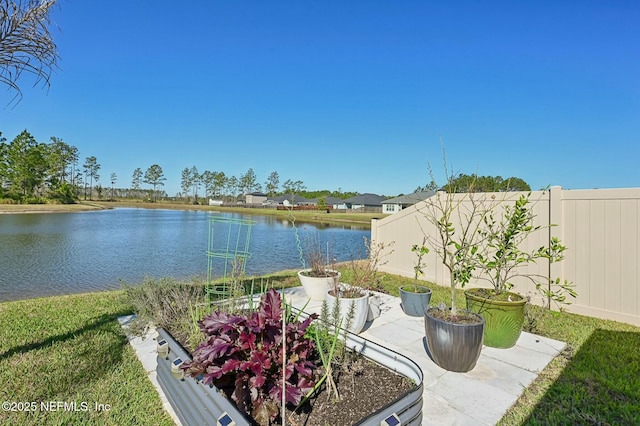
x: 415, y: 299
x: 197, y: 404
x: 454, y: 346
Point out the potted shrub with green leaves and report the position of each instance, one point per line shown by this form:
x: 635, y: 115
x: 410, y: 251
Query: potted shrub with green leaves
x: 414, y: 297
x: 352, y: 300
x: 499, y: 259
x: 454, y: 336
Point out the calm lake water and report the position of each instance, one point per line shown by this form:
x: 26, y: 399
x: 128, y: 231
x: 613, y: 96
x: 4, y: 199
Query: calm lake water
x: 62, y: 253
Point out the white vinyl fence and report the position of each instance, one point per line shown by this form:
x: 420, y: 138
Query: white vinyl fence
x: 600, y: 227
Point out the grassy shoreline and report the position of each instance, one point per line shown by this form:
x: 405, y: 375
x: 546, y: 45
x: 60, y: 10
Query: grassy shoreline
x: 320, y: 217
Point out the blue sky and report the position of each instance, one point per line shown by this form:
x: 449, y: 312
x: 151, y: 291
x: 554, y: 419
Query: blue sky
x: 351, y: 95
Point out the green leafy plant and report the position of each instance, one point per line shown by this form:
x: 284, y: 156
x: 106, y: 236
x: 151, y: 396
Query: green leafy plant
x: 326, y: 336
x: 244, y: 354
x: 473, y: 240
x: 420, y: 251
x: 197, y: 311
x: 455, y: 244
x: 329, y: 335
x: 500, y: 256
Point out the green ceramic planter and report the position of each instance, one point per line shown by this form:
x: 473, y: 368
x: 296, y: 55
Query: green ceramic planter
x: 503, y: 318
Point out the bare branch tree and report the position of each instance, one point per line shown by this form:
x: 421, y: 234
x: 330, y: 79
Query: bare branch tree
x: 26, y: 43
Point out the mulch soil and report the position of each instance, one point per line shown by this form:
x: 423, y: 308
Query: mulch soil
x: 361, y: 394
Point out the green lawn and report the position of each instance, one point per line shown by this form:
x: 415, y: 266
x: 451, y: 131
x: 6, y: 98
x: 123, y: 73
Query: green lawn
x: 595, y: 381
x: 72, y: 349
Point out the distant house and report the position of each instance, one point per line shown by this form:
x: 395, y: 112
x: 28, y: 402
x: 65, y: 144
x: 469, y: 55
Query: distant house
x: 394, y: 205
x: 255, y: 198
x: 291, y: 200
x: 364, y: 200
x: 334, y: 203
x: 213, y: 202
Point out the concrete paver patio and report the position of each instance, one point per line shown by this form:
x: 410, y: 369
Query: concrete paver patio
x: 479, y: 397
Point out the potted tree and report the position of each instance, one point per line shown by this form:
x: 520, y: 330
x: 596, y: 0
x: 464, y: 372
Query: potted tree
x: 415, y: 298
x: 499, y: 260
x: 454, y: 336
x: 351, y: 302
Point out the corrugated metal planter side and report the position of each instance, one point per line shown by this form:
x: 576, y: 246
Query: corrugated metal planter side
x: 408, y: 408
x: 193, y: 402
x: 197, y: 404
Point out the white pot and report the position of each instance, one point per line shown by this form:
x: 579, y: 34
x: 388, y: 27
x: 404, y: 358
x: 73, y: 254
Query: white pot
x: 374, y: 308
x: 316, y: 287
x: 361, y: 305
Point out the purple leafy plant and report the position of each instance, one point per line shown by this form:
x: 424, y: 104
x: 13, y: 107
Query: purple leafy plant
x: 243, y: 354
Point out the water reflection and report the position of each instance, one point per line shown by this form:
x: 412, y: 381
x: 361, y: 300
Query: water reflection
x: 45, y: 254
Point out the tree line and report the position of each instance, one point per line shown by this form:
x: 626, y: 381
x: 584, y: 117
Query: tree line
x: 219, y: 185
x: 34, y: 172
x: 474, y: 183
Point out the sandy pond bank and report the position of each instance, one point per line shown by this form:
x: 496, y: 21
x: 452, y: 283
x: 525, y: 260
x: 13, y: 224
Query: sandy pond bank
x: 48, y: 208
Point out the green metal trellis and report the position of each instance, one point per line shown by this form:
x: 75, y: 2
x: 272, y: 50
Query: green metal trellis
x: 229, y: 242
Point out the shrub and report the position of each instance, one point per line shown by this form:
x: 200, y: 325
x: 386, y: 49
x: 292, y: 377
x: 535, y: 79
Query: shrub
x: 64, y: 194
x: 165, y: 303
x: 243, y: 354
x: 35, y: 200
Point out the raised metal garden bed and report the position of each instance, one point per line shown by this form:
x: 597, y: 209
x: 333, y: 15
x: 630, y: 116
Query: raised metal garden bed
x: 195, y: 403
